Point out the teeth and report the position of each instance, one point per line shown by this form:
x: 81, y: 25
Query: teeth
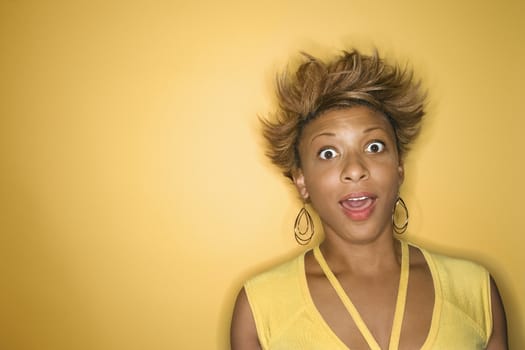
x: 357, y: 199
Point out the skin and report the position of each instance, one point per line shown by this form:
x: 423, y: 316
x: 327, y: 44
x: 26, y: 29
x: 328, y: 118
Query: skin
x: 351, y: 154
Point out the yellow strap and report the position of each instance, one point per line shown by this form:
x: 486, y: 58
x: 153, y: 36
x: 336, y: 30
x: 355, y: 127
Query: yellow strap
x: 400, y: 304
x: 399, y: 313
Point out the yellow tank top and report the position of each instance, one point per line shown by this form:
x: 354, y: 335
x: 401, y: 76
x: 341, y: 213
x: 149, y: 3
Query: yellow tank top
x: 286, y: 317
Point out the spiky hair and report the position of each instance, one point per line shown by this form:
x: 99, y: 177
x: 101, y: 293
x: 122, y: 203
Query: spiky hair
x: 348, y: 80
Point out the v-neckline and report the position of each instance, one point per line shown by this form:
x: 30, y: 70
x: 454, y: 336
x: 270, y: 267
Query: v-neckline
x: 354, y: 313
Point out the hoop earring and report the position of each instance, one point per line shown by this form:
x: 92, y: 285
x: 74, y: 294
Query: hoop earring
x: 400, y: 229
x: 303, y: 236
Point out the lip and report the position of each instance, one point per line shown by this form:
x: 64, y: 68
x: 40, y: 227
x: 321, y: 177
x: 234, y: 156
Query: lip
x: 358, y: 206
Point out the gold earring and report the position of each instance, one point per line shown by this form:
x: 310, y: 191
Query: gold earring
x: 399, y: 229
x: 303, y: 231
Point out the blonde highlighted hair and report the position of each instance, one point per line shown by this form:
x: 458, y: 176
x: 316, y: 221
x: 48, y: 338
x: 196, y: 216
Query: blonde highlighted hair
x: 348, y: 80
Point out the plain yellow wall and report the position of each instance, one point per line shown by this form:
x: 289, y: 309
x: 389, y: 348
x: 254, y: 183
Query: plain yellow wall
x: 134, y: 194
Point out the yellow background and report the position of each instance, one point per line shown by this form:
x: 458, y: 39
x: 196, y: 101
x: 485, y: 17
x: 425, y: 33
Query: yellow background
x: 134, y: 194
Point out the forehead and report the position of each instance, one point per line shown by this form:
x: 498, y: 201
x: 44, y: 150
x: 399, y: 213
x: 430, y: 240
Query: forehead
x: 358, y: 119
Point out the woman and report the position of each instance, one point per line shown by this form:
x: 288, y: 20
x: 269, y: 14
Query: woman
x: 341, y: 134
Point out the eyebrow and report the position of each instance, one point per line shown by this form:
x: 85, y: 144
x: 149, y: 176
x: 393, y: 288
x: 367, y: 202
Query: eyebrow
x: 322, y: 134
x: 370, y: 129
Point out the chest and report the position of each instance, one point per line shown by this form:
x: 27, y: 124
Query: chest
x: 375, y: 300
x: 293, y: 311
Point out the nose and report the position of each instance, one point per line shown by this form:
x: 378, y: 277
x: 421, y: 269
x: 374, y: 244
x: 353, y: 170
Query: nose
x: 354, y: 169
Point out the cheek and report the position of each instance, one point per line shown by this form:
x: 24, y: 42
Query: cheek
x: 320, y: 182
x: 392, y: 177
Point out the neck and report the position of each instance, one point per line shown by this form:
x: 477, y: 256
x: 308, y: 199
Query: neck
x: 381, y: 254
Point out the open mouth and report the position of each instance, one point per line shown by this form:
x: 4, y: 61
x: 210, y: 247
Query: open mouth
x: 358, y: 207
x: 357, y: 202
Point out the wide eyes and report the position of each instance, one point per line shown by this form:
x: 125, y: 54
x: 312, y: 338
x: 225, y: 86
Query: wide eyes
x: 375, y: 147
x: 328, y: 153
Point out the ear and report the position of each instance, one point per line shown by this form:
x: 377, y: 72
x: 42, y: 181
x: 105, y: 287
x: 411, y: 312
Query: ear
x: 401, y: 172
x: 298, y: 179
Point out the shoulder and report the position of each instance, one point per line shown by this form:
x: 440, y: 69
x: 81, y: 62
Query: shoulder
x: 461, y: 281
x: 276, y: 280
x: 455, y: 268
x: 463, y: 291
x: 458, y: 281
x: 276, y: 298
x: 255, y: 306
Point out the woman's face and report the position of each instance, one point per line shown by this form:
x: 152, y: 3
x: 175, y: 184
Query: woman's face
x: 351, y: 172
